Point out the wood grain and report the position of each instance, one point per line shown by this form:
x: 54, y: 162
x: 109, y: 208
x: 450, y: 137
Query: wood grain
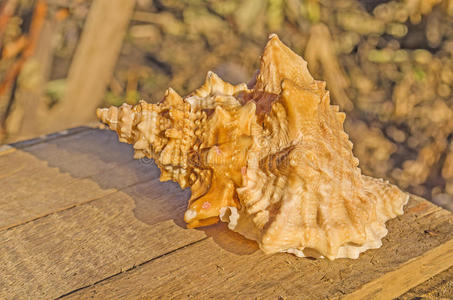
x: 410, y: 274
x: 80, y: 246
x: 56, y: 174
x: 231, y: 269
x: 437, y: 287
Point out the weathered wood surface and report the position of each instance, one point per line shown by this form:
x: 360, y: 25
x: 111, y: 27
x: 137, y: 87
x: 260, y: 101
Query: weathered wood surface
x: 79, y: 218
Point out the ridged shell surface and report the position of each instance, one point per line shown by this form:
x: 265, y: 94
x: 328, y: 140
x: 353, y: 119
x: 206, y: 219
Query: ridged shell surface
x: 272, y: 160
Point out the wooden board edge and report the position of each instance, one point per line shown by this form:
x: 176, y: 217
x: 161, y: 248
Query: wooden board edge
x: 44, y: 138
x: 439, y: 286
x: 410, y: 274
x: 6, y: 149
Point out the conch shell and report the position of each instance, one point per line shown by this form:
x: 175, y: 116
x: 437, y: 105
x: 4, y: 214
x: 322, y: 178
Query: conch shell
x: 272, y: 160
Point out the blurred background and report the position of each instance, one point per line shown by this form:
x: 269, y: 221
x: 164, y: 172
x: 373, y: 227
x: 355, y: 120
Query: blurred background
x: 388, y: 64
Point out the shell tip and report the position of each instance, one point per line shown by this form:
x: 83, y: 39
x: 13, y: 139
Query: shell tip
x: 273, y: 36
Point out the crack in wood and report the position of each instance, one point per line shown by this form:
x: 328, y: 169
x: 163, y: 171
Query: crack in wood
x: 130, y: 269
x: 6, y: 228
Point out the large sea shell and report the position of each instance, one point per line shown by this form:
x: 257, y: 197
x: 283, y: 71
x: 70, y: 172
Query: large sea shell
x: 272, y: 160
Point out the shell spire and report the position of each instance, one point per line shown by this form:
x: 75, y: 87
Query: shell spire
x: 274, y: 67
x: 272, y: 160
x: 163, y: 131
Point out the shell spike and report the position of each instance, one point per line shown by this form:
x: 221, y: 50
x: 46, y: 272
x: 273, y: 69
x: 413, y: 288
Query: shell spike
x: 214, y: 85
x: 172, y: 97
x: 341, y: 116
x: 274, y: 67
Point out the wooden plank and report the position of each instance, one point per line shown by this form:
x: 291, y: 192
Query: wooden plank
x: 93, y: 63
x: 58, y: 173
x: 412, y: 273
x: 215, y: 268
x: 70, y: 249
x: 438, y: 287
x: 47, y: 137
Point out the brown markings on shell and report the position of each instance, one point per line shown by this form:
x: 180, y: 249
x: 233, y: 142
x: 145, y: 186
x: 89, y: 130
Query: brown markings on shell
x: 277, y: 163
x: 263, y: 101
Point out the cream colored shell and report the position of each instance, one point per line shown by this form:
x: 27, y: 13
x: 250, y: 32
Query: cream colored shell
x: 272, y: 160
